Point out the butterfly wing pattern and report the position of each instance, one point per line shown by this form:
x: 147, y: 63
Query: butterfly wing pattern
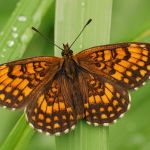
x: 105, y: 101
x: 127, y: 64
x: 19, y: 80
x: 91, y: 85
x: 52, y: 111
x: 112, y: 70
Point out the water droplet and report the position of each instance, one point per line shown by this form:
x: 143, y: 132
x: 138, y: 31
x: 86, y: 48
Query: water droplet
x: 22, y: 18
x: 83, y: 4
x: 10, y: 43
x: 14, y: 29
x: 23, y: 37
x: 15, y: 35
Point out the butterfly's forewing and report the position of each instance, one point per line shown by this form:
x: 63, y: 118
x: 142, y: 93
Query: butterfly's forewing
x: 104, y: 101
x: 52, y: 111
x: 20, y: 80
x: 128, y: 64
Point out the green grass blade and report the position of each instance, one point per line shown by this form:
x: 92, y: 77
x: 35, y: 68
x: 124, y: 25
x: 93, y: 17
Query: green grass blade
x: 17, y: 32
x: 20, y: 132
x: 70, y: 18
x: 14, y: 39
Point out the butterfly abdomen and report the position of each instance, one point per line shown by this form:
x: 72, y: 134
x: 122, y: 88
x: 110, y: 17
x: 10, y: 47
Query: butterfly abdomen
x: 70, y: 68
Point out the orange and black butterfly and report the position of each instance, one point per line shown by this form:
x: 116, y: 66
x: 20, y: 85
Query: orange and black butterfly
x: 91, y: 85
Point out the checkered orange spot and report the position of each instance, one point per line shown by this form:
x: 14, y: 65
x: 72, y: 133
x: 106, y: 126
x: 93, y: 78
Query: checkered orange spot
x: 91, y: 85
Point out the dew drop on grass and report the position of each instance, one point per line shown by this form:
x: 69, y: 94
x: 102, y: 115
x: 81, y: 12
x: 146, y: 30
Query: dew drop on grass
x: 10, y: 43
x: 14, y: 29
x: 22, y: 18
x: 15, y: 35
x: 23, y: 37
x: 14, y: 32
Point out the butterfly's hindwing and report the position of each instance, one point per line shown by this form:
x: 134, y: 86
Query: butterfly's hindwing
x: 128, y: 64
x: 104, y: 101
x: 52, y: 111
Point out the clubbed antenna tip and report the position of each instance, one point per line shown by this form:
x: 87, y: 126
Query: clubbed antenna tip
x: 88, y: 21
x: 81, y: 32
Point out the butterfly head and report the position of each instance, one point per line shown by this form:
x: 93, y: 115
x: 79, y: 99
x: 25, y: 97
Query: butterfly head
x: 67, y: 52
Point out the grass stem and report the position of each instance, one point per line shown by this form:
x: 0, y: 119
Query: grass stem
x: 70, y: 19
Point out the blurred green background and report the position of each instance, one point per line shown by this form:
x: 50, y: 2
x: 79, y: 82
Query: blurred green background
x: 130, y: 22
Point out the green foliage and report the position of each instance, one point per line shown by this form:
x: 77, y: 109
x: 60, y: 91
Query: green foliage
x: 14, y: 39
x: 19, y: 137
x: 130, y: 22
x: 17, y: 32
x: 98, y: 32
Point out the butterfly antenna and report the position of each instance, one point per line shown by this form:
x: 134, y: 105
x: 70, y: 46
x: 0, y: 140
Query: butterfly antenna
x: 81, y: 32
x: 36, y: 30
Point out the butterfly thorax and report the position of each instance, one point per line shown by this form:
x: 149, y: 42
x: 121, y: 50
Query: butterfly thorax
x: 69, y: 64
x: 70, y: 68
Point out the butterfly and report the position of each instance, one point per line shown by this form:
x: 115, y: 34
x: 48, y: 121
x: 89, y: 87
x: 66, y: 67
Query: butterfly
x: 91, y: 85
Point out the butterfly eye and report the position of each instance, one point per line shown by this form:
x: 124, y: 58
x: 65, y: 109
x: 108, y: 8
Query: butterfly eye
x: 62, y: 53
x: 71, y: 51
